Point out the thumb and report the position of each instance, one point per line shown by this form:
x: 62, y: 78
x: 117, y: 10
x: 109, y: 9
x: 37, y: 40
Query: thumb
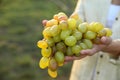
x: 106, y: 40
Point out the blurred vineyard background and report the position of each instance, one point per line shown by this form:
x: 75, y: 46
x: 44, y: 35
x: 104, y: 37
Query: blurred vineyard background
x: 20, y: 29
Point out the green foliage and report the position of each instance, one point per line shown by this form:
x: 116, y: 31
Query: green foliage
x: 20, y: 29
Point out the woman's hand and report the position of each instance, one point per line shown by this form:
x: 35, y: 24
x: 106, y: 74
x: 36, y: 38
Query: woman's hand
x: 105, y: 41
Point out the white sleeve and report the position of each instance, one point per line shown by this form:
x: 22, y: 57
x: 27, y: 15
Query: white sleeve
x: 80, y: 9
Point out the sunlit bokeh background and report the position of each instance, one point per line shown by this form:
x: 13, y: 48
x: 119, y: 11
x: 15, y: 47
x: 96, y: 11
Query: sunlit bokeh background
x: 20, y: 29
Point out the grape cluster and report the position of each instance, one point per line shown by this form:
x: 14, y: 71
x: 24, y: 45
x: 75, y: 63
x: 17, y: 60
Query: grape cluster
x: 67, y: 36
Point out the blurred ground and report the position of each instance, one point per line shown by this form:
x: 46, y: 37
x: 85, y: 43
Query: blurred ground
x: 20, y: 29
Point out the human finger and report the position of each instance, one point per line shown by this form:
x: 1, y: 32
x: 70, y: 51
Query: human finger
x: 106, y: 40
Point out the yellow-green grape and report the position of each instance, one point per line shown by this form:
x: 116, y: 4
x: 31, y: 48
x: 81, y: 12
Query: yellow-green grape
x: 48, y: 24
x: 57, y: 38
x: 89, y: 28
x: 51, y: 22
x: 76, y: 49
x: 109, y: 32
x: 90, y: 35
x: 43, y: 63
x: 52, y: 74
x: 88, y: 43
x: 54, y: 30
x: 83, y: 27
x: 70, y: 41
x: 72, y: 23
x: 47, y: 32
x: 42, y: 44
x: 83, y: 45
x: 53, y: 64
x: 54, y: 49
x: 79, y: 41
x: 59, y: 57
x: 97, y: 40
x: 101, y: 33
x: 55, y: 16
x: 65, y: 33
x: 50, y: 42
x: 60, y: 46
x: 63, y: 25
x: 77, y: 34
x: 46, y: 52
x: 96, y: 26
x: 62, y: 16
x: 69, y: 51
x: 79, y: 21
x: 54, y: 22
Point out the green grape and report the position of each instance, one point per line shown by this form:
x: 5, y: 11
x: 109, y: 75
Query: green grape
x: 90, y: 35
x: 52, y: 74
x: 109, y: 32
x: 53, y: 64
x: 69, y: 51
x: 83, y: 45
x: 97, y: 40
x: 46, y: 52
x: 47, y: 32
x: 61, y: 47
x: 50, y: 42
x: 83, y: 27
x: 77, y: 34
x: 54, y: 30
x: 76, y: 49
x: 102, y: 32
x: 70, y: 41
x: 43, y: 63
x: 62, y: 16
x: 51, y: 22
x: 65, y: 33
x: 63, y: 25
x: 96, y: 26
x: 72, y: 23
x: 88, y: 43
x: 42, y: 44
x: 79, y: 21
x: 77, y: 55
x: 54, y: 49
x: 59, y: 57
x: 79, y: 41
x: 57, y: 38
